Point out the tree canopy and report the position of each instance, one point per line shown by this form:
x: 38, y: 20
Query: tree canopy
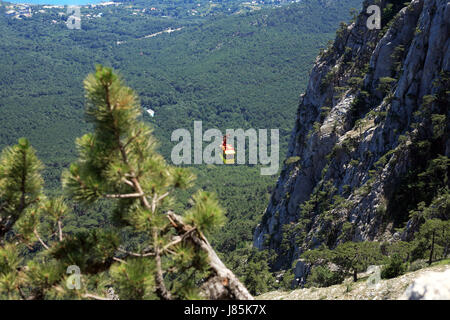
x: 117, y: 163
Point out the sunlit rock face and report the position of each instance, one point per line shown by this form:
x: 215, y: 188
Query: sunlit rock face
x: 431, y: 286
x: 355, y: 127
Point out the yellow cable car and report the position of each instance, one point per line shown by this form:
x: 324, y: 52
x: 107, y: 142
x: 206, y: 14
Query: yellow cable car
x: 228, y: 152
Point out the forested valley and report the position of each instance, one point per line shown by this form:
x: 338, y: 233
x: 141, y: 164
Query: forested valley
x: 242, y: 70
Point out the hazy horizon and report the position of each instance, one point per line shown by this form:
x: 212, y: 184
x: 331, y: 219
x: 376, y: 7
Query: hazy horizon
x: 56, y: 2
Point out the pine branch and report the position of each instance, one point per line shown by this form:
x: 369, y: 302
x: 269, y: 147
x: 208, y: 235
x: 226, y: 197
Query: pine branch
x: 23, y: 182
x: 119, y: 260
x: 95, y: 297
x: 124, y: 196
x: 128, y: 182
x: 136, y: 254
x: 21, y: 239
x: 22, y: 295
x: 60, y: 230
x: 40, y: 240
x: 224, y: 284
x: 131, y: 139
x: 161, y: 290
x: 154, y: 199
x: 138, y: 188
x: 178, y: 239
x: 162, y: 197
x: 123, y: 152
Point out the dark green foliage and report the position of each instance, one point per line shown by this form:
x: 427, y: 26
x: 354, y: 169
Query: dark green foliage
x: 394, y: 268
x: 291, y: 160
x: 401, y: 249
x: 137, y: 271
x: 117, y: 162
x: 439, y: 123
x: 432, y: 241
x: 397, y: 57
x: 20, y: 183
x: 346, y: 232
x: 385, y: 85
x: 322, y: 276
x: 358, y: 107
x: 356, y: 257
x: 205, y: 213
x: 288, y: 281
x: 92, y: 251
x: 230, y: 71
x: 320, y: 201
x: 438, y: 208
x: 417, y: 265
x: 350, y: 258
x: 390, y: 10
x: 257, y: 277
x: 252, y: 267
x: 419, y: 188
x: 327, y: 81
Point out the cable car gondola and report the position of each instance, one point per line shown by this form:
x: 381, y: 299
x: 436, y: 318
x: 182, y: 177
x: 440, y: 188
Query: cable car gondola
x: 228, y: 152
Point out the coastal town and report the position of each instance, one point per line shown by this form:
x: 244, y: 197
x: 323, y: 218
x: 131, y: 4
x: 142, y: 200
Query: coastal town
x: 24, y: 10
x: 153, y: 8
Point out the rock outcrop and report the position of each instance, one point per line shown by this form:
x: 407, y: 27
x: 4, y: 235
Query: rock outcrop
x: 431, y: 286
x: 383, y: 289
x: 375, y: 112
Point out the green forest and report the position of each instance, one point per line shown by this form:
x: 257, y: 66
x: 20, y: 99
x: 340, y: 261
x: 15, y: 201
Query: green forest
x: 236, y: 71
x: 86, y: 177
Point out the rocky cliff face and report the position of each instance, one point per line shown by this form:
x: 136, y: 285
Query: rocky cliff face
x: 373, y: 118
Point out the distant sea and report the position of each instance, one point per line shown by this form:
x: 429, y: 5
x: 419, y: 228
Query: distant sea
x: 58, y: 2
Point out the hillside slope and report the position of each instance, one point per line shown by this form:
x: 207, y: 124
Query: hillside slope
x: 370, y: 144
x: 390, y: 289
x: 227, y: 71
x: 235, y: 71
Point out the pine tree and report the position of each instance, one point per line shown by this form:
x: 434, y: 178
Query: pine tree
x: 20, y: 183
x: 350, y: 257
x: 118, y: 163
x: 432, y: 240
x: 356, y: 256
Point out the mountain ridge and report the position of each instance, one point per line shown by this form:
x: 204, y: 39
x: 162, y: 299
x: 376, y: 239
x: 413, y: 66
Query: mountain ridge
x: 371, y: 124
